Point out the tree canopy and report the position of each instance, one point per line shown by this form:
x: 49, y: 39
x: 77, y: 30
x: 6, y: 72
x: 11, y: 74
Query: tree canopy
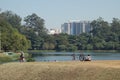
x: 33, y: 35
x: 11, y: 39
x: 13, y: 19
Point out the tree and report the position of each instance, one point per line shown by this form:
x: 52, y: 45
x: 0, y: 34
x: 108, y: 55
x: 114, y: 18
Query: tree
x: 35, y: 22
x: 48, y: 46
x: 83, y: 39
x: 12, y: 19
x: 71, y: 47
x: 89, y: 47
x: 45, y: 46
x: 115, y: 25
x: 99, y: 27
x: 11, y: 38
x: 61, y: 47
x: 35, y: 30
x: 61, y: 40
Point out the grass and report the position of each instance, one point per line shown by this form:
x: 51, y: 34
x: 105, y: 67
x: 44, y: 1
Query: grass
x: 71, y: 70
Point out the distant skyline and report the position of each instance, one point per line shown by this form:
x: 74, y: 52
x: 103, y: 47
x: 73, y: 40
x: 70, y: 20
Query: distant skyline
x: 56, y: 12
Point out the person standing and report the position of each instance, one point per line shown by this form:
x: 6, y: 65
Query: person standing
x: 22, y: 58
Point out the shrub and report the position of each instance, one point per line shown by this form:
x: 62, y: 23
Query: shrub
x: 30, y: 60
x: 5, y: 58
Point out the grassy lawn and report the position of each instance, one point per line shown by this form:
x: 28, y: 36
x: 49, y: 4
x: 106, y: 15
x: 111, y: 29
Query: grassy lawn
x: 71, y: 70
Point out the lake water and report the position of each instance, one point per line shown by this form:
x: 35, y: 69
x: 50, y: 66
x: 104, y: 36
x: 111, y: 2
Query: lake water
x: 67, y: 56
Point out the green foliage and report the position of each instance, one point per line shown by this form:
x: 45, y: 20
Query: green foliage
x: 33, y: 35
x: 61, y: 47
x: 105, y: 35
x: 36, y: 23
x: 13, y: 19
x: 89, y: 47
x: 47, y: 46
x: 5, y: 58
x: 29, y: 58
x: 71, y: 47
x: 34, y: 30
x: 11, y: 39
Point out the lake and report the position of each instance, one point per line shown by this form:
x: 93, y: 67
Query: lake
x: 67, y: 56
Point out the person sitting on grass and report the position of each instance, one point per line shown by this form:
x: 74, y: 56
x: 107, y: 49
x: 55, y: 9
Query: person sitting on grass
x: 88, y: 58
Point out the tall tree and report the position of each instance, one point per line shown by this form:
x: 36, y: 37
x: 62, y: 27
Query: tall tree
x: 115, y: 28
x: 115, y: 25
x: 36, y: 31
x: 12, y: 19
x: 11, y: 38
x: 99, y: 27
x: 35, y: 22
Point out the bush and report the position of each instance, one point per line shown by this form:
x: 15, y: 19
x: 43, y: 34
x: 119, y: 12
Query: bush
x: 30, y: 60
x: 5, y: 58
x: 13, y: 55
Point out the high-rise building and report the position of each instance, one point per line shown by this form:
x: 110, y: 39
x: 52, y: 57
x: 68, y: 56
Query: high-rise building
x: 76, y: 27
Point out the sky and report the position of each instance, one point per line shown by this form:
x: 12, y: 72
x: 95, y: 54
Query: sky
x: 56, y: 12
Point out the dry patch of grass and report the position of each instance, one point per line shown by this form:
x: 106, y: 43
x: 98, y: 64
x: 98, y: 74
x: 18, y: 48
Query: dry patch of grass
x: 72, y: 70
